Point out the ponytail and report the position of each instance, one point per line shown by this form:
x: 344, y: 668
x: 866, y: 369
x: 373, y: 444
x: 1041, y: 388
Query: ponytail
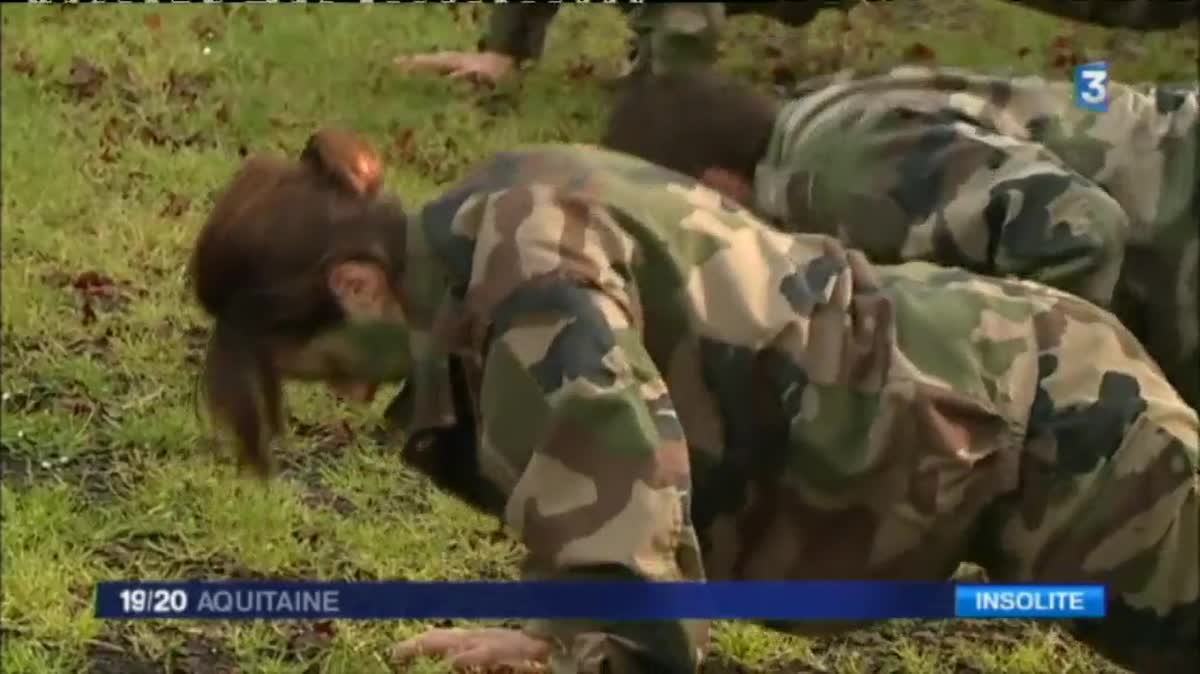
x: 243, y: 393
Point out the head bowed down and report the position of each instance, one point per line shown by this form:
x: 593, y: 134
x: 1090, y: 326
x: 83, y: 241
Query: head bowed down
x: 268, y: 268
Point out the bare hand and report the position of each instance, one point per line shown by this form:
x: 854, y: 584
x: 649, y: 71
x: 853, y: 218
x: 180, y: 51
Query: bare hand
x: 484, y: 67
x: 488, y: 649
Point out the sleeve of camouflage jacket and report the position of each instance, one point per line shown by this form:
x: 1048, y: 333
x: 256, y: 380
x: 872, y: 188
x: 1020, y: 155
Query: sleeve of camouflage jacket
x: 518, y: 29
x: 578, y: 426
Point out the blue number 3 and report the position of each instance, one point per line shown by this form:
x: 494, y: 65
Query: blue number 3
x: 1091, y: 86
x: 1095, y: 91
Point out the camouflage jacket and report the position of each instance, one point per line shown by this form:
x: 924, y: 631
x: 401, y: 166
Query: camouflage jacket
x: 1007, y: 176
x: 584, y: 312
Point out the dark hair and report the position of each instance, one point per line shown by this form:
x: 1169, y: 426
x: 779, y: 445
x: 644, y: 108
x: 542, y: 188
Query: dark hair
x: 259, y: 269
x: 693, y: 120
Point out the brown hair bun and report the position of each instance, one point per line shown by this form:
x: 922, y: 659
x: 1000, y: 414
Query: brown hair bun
x: 346, y: 159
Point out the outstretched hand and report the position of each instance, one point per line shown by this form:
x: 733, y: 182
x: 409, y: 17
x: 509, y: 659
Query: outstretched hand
x: 481, y: 67
x: 490, y: 649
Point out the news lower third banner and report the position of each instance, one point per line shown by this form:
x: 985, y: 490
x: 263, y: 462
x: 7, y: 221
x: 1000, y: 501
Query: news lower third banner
x: 613, y: 601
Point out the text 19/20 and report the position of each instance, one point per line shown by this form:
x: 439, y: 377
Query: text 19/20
x: 154, y: 600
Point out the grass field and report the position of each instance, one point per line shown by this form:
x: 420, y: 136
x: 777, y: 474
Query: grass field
x: 118, y: 122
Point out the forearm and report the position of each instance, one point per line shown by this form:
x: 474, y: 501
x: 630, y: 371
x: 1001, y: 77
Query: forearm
x: 603, y: 494
x: 518, y: 30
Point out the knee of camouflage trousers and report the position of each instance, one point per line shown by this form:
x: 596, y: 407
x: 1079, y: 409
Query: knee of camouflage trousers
x: 672, y: 37
x: 1109, y: 492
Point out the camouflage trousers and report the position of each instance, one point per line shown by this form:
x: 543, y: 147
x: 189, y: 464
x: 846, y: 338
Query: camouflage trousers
x: 676, y: 36
x: 1103, y: 486
x: 1108, y: 492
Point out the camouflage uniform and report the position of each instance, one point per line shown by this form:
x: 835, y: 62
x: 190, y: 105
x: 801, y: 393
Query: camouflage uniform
x: 672, y: 36
x: 1007, y: 176
x: 646, y: 382
x: 667, y: 36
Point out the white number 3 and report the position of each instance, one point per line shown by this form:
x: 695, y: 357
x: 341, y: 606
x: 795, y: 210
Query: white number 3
x: 1094, y: 90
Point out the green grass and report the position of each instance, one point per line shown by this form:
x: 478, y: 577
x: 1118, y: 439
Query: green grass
x: 108, y: 474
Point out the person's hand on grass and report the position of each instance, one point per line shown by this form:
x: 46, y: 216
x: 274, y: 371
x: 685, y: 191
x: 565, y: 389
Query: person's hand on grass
x: 488, y: 649
x: 481, y: 67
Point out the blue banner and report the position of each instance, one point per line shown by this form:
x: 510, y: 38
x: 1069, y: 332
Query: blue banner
x: 614, y: 601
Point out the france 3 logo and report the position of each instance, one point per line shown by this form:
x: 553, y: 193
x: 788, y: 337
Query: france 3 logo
x: 1091, y: 86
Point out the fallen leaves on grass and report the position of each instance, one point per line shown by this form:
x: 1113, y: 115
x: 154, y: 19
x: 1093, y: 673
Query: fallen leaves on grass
x: 116, y: 652
x: 285, y: 121
x: 783, y: 76
x: 203, y: 655
x: 187, y: 87
x: 78, y: 404
x: 177, y: 205
x: 821, y: 60
x: 127, y: 86
x: 98, y: 347
x: 403, y: 147
x: 1063, y: 53
x: 101, y: 292
x: 93, y: 283
x: 441, y: 163
x: 84, y: 79
x: 24, y: 64
x: 919, y: 51
x: 32, y: 399
x: 206, y: 28
x: 581, y: 70
x: 196, y: 340
x: 328, y: 436
x: 253, y: 17
x: 497, y: 102
x: 307, y: 640
x: 222, y: 113
x: 133, y: 47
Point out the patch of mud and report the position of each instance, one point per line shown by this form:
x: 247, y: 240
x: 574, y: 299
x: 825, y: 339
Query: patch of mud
x: 327, y: 444
x: 950, y: 641
x: 721, y: 666
x: 324, y: 446
x: 96, y: 474
x: 196, y: 655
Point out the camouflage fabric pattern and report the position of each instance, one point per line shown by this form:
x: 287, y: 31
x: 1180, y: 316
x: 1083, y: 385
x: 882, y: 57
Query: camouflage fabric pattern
x: 1008, y: 177
x: 666, y: 36
x: 675, y: 36
x: 670, y: 37
x: 662, y: 387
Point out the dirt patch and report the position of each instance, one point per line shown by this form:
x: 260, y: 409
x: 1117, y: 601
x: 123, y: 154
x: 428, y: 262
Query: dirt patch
x: 196, y: 654
x: 321, y: 497
x: 118, y: 554
x: 324, y: 446
x: 950, y: 643
x: 722, y: 666
x: 94, y: 473
x: 84, y: 79
x: 327, y: 444
x: 102, y: 661
x: 98, y: 293
x: 305, y: 642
